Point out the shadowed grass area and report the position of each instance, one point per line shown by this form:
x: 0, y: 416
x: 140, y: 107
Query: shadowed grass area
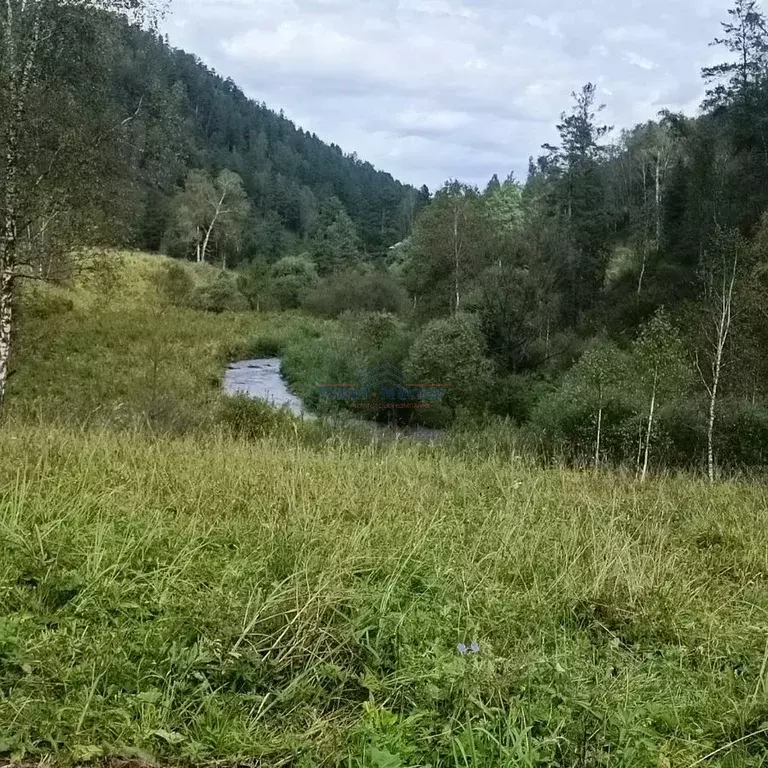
x: 223, y: 601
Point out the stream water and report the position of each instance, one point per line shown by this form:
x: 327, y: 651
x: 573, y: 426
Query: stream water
x: 262, y: 379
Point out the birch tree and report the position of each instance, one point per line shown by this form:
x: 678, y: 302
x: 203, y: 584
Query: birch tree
x: 600, y: 368
x: 661, y: 372
x: 207, y: 206
x: 40, y: 157
x: 448, y: 248
x: 650, y: 153
x: 723, y: 272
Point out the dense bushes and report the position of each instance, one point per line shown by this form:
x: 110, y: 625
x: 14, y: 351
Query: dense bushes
x: 291, y: 280
x: 222, y: 295
x: 175, y: 284
x: 563, y: 426
x: 452, y: 353
x: 356, y: 290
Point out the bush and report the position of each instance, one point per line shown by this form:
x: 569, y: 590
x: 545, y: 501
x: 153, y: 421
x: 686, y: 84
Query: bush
x: 44, y: 303
x: 255, y: 283
x: 252, y: 419
x: 293, y: 277
x: 334, y: 358
x: 452, y: 352
x: 563, y: 425
x: 356, y: 290
x: 515, y: 396
x: 740, y: 438
x: 220, y: 296
x: 175, y: 284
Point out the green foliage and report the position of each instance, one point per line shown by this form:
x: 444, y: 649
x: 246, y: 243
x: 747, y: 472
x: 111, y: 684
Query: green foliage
x: 746, y: 39
x: 335, y: 242
x: 222, y: 295
x: 333, y: 358
x: 292, y: 278
x: 662, y: 369
x: 254, y: 282
x: 356, y: 290
x: 451, y: 352
x: 447, y: 250
x: 505, y: 206
x: 252, y: 419
x: 175, y: 284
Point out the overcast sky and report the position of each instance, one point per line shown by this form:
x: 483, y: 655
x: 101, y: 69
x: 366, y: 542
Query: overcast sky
x: 432, y: 89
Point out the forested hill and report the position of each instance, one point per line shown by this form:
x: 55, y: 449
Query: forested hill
x: 189, y: 118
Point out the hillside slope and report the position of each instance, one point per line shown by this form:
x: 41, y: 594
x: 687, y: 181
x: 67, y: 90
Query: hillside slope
x: 191, y: 118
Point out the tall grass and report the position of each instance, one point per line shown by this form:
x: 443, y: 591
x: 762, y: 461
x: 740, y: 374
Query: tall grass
x: 120, y: 355
x: 198, y: 598
x: 217, y: 600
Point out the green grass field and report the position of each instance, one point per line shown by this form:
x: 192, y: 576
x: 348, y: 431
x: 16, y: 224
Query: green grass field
x: 172, y: 594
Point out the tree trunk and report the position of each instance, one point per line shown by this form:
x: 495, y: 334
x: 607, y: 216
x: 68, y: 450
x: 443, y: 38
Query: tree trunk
x: 6, y: 326
x: 216, y: 215
x: 711, y: 425
x: 651, y: 413
x: 639, y: 449
x: 456, y: 254
x: 599, y: 431
x: 18, y: 81
x: 723, y: 326
x: 658, y: 200
x: 642, y: 268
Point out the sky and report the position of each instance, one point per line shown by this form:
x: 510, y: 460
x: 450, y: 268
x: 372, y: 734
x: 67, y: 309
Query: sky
x: 435, y: 89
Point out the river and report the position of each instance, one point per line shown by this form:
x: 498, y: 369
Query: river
x: 263, y: 380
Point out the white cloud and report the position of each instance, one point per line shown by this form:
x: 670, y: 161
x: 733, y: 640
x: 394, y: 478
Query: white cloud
x: 639, y: 61
x: 431, y: 89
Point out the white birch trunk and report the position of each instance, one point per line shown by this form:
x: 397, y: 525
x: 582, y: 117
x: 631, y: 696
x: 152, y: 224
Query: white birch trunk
x: 18, y: 77
x: 216, y: 214
x: 6, y: 326
x: 456, y: 255
x: 651, y: 413
x: 599, y: 431
x: 723, y: 328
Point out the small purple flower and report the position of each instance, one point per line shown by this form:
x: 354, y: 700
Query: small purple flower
x: 475, y: 647
x: 462, y: 649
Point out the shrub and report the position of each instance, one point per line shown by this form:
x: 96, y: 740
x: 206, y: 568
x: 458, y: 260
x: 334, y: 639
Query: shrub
x: 44, y: 303
x: 175, y: 284
x: 515, y: 396
x: 292, y: 278
x: 220, y: 296
x: 255, y: 283
x: 452, y: 352
x: 563, y: 426
x: 740, y: 440
x: 252, y: 419
x: 356, y: 290
x: 334, y: 358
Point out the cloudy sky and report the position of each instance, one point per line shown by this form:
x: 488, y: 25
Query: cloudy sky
x: 437, y: 89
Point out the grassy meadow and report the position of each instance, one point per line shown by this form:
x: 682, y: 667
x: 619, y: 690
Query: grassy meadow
x: 173, y: 593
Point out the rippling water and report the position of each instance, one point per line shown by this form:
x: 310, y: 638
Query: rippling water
x: 262, y: 379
